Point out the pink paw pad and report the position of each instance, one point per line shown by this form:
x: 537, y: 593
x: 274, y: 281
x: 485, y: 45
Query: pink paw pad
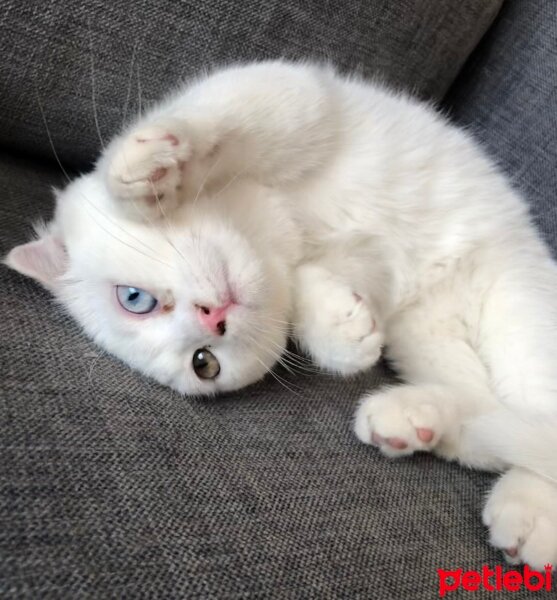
x: 172, y: 139
x: 425, y: 435
x: 158, y: 174
x: 394, y: 442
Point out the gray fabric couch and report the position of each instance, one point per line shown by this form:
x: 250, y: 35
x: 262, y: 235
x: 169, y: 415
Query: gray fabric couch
x: 114, y: 487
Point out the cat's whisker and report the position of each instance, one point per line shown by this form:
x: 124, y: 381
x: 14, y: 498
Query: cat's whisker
x: 91, y: 204
x: 141, y: 213
x: 287, y: 324
x: 205, y: 178
x: 281, y: 381
x: 100, y: 354
x: 169, y: 226
x: 112, y: 222
x: 129, y: 245
x: 278, y: 378
x: 139, y: 95
x: 230, y: 182
x: 130, y: 79
x: 93, y: 85
x: 294, y: 360
x: 278, y: 358
x: 284, y: 356
x: 300, y: 368
x: 302, y: 362
x: 307, y: 369
x: 49, y: 135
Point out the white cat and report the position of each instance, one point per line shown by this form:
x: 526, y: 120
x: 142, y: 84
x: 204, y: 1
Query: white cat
x: 276, y: 194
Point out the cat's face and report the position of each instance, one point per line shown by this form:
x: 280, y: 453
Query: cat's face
x: 198, y: 302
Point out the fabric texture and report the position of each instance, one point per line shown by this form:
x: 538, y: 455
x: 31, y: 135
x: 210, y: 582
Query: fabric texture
x: 89, y: 66
x: 112, y: 486
x: 507, y: 96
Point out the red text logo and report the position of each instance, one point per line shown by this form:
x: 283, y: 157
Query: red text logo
x: 494, y: 580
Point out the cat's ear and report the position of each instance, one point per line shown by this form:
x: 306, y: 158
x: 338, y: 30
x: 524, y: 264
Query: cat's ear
x: 44, y: 259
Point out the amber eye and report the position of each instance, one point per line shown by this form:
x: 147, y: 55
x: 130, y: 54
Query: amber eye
x: 205, y: 365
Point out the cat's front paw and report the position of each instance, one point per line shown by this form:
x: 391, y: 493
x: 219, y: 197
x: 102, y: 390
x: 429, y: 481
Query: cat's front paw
x: 337, y: 327
x: 145, y: 169
x: 400, y: 420
x: 521, y: 514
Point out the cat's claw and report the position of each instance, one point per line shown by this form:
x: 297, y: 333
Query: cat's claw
x: 399, y: 421
x: 521, y: 514
x: 146, y: 169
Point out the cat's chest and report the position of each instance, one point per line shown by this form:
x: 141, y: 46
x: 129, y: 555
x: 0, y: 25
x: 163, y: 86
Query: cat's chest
x: 322, y: 211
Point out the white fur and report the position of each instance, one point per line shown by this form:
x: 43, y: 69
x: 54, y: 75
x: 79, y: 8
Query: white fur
x: 358, y: 216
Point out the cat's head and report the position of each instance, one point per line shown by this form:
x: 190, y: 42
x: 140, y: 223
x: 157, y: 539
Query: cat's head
x: 199, y: 301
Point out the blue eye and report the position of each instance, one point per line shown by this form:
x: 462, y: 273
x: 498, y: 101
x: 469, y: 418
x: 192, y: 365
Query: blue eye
x: 135, y: 300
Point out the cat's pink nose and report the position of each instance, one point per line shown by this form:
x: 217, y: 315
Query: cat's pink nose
x: 214, y: 318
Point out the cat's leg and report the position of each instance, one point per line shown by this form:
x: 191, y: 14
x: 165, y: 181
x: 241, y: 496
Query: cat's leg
x: 447, y: 387
x: 145, y: 167
x: 270, y: 121
x: 521, y: 513
x: 518, y: 341
x: 518, y: 330
x: 339, y: 327
x: 464, y: 373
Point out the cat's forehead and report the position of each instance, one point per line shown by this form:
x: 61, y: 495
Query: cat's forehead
x: 100, y: 239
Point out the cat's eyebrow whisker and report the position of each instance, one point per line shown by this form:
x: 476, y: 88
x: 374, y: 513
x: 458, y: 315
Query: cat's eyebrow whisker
x: 130, y: 78
x: 95, y: 115
x: 170, y: 228
x: 165, y: 220
x: 91, y: 204
x: 128, y: 245
x: 196, y: 239
x: 116, y: 224
x: 205, y: 178
x: 50, y: 140
x: 139, y: 99
x: 141, y: 213
x: 230, y: 181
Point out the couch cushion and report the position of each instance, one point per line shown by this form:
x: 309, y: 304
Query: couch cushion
x: 69, y: 57
x: 507, y: 96
x: 112, y: 486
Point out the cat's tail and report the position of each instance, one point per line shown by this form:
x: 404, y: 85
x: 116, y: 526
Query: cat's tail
x: 528, y: 441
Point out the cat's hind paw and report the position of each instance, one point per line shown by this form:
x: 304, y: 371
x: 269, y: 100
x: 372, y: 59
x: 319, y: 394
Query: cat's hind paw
x: 399, y: 421
x: 521, y: 514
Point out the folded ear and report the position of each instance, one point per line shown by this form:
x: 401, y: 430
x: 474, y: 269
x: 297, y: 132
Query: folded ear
x: 44, y: 259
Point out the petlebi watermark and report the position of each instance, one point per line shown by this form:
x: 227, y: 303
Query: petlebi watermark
x: 495, y: 579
